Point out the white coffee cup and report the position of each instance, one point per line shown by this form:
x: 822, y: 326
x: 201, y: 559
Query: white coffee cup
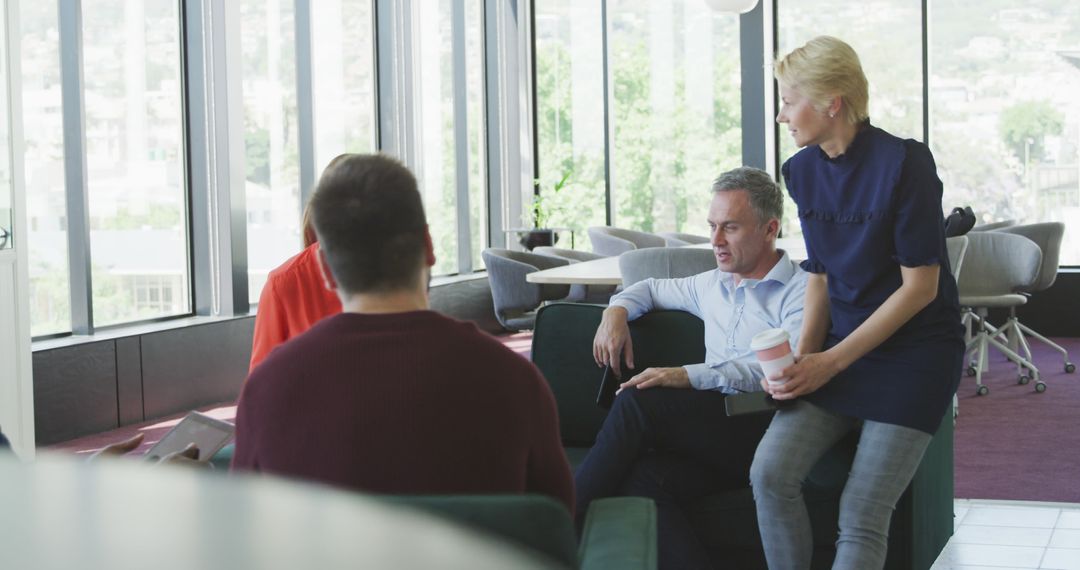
x: 773, y: 350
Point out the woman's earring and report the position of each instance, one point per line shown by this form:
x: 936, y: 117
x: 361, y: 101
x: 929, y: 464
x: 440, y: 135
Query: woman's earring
x: 832, y: 114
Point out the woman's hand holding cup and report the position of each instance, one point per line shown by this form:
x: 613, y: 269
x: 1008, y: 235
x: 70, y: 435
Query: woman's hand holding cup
x: 773, y: 350
x: 807, y: 374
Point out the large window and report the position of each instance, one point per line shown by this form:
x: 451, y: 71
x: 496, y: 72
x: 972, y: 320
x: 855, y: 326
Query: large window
x: 475, y: 134
x: 1005, y: 127
x: 7, y: 198
x: 343, y: 76
x: 445, y: 201
x: 135, y: 156
x: 43, y: 133
x: 132, y: 131
x: 887, y: 35
x: 268, y: 37
x: 674, y: 110
x: 570, y: 117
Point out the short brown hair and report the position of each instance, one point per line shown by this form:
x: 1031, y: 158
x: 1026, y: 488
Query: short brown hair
x: 307, y: 228
x: 370, y: 221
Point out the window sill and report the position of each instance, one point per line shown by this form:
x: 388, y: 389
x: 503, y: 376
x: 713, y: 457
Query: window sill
x: 129, y: 331
x: 452, y: 279
x: 183, y: 322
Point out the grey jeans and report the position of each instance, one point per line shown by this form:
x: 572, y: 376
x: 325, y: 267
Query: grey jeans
x: 884, y: 464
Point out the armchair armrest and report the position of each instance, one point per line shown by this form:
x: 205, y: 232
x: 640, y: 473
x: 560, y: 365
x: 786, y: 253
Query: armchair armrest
x: 620, y: 532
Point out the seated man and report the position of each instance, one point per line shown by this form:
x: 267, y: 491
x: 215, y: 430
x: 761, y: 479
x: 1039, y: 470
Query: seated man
x: 388, y: 396
x: 672, y: 444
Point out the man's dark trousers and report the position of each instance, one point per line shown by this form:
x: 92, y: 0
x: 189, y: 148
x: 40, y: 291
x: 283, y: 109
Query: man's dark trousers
x: 674, y: 446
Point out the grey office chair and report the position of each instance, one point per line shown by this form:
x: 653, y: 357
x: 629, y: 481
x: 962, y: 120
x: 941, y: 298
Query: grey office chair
x: 608, y: 241
x: 515, y: 299
x: 600, y: 294
x: 664, y: 263
x: 677, y: 239
x: 995, y: 266
x: 957, y: 247
x: 568, y: 254
x: 1048, y: 237
x: 991, y: 226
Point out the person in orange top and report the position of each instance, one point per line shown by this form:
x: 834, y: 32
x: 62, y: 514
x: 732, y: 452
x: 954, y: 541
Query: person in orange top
x: 294, y: 298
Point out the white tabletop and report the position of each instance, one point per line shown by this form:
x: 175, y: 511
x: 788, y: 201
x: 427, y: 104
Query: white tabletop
x: 62, y: 512
x: 606, y: 271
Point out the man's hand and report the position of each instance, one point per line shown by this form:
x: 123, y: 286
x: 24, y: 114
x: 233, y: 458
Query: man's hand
x: 187, y: 456
x: 667, y: 377
x: 119, y: 448
x: 809, y: 373
x: 612, y: 340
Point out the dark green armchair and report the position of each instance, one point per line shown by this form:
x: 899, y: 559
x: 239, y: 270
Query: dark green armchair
x: 562, y: 349
x: 619, y: 533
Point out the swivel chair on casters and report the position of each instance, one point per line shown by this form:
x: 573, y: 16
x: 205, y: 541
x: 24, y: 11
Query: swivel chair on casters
x: 957, y: 248
x: 515, y: 299
x: 996, y: 266
x: 1048, y: 237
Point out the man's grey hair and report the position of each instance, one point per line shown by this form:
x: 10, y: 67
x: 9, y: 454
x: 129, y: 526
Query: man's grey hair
x: 765, y: 196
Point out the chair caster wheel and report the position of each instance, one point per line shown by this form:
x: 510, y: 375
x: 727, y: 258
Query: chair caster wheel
x: 1040, y: 387
x: 1023, y: 379
x: 1070, y: 368
x: 982, y: 390
x: 971, y: 371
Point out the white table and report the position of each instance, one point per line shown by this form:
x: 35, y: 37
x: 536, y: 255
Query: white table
x: 606, y: 271
x: 62, y: 512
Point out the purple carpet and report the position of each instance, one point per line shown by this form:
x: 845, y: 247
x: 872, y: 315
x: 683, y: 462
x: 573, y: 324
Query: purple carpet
x: 1016, y: 444
x: 1011, y: 444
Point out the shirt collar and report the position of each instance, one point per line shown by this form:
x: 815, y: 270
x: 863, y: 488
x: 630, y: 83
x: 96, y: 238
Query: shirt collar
x: 782, y: 272
x: 855, y: 150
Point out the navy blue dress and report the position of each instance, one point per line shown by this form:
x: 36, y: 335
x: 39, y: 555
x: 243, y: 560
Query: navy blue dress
x: 864, y: 214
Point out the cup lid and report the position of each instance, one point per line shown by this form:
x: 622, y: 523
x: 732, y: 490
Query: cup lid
x: 769, y: 338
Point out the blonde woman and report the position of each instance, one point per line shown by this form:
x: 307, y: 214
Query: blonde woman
x: 881, y: 345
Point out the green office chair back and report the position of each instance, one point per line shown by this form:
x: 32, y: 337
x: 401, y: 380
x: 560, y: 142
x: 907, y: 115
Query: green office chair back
x: 562, y: 350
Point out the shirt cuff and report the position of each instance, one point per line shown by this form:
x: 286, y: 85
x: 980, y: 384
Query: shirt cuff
x: 633, y: 310
x: 703, y: 377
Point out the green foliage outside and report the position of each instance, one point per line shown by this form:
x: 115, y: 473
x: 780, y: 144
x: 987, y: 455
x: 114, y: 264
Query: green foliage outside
x: 663, y: 165
x: 157, y: 216
x: 1025, y: 125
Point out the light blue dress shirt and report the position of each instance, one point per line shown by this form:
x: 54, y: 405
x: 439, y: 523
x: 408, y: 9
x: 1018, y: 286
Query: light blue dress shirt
x: 732, y: 313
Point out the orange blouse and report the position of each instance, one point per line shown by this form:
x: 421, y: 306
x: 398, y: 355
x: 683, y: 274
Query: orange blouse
x: 294, y: 298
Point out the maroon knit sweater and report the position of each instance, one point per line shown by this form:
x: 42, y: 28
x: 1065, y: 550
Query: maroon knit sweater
x: 405, y: 403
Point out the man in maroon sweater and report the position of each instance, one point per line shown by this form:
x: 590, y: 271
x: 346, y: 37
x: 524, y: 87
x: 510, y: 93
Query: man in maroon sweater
x: 388, y: 396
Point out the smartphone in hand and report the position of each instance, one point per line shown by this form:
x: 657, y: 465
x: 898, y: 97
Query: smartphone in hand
x: 609, y: 384
x: 750, y: 403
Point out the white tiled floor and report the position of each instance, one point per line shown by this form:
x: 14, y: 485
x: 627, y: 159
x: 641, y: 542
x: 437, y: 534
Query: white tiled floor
x: 1002, y: 535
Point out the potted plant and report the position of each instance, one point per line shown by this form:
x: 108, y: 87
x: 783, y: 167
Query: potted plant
x: 543, y: 208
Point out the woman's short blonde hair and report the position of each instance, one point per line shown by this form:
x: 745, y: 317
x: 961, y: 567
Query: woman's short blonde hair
x: 824, y: 68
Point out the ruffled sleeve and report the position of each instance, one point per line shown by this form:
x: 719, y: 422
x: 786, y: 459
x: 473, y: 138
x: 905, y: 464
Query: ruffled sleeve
x: 811, y: 263
x: 919, y: 226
